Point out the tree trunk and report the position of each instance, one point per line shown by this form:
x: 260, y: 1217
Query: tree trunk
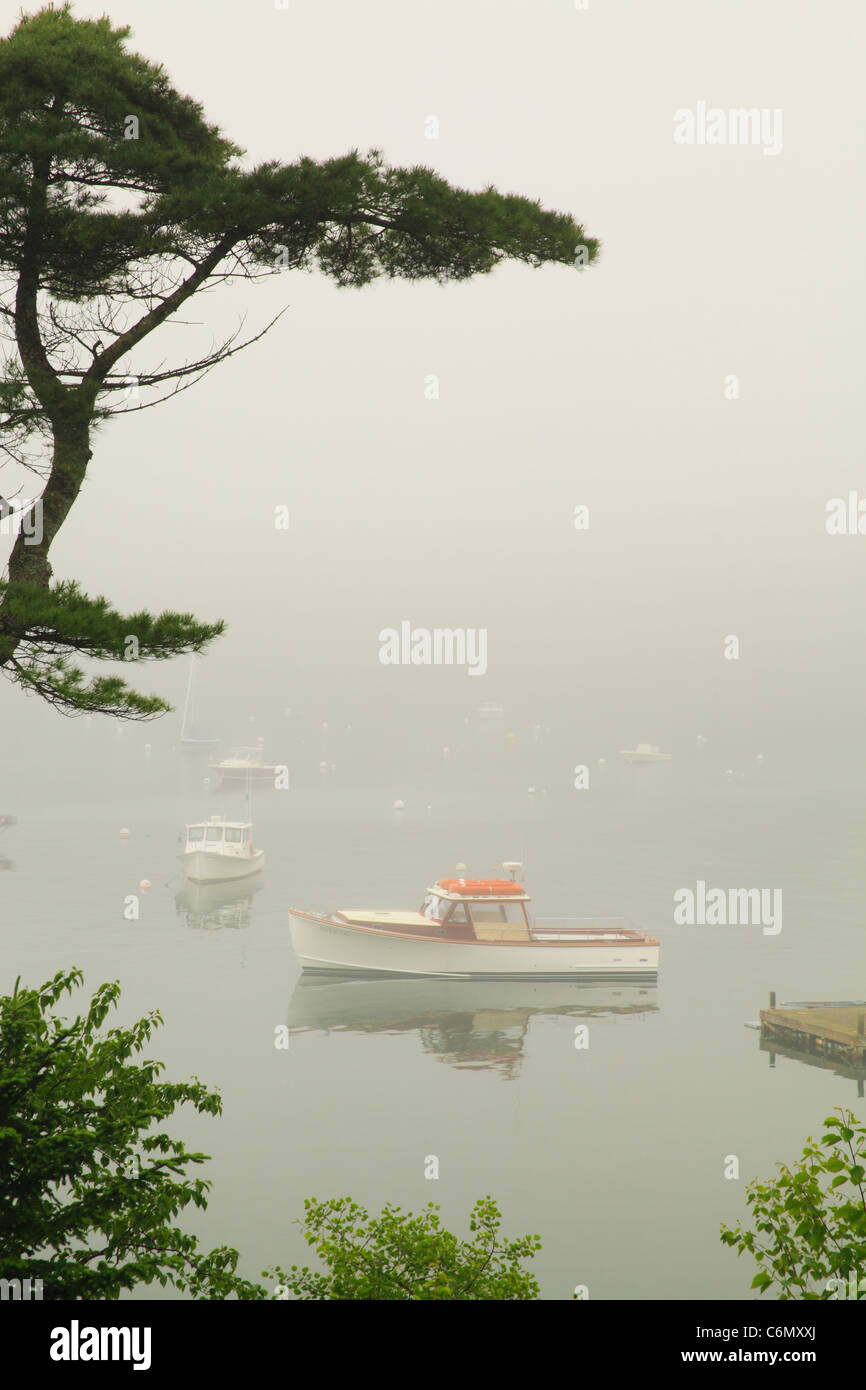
x: 28, y: 563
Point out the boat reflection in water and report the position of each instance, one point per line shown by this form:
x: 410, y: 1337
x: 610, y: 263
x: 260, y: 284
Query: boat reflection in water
x: 214, y: 905
x: 473, y: 1025
x: 5, y: 823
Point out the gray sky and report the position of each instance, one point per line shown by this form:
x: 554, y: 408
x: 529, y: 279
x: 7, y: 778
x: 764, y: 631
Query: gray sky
x: 605, y: 388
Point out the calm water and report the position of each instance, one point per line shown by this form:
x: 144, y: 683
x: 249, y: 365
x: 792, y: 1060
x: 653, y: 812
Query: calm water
x: 615, y: 1155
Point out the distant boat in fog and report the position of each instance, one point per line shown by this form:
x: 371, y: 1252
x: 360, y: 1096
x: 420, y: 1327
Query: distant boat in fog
x: 191, y: 736
x: 219, y: 851
x: 245, y: 767
x: 644, y: 753
x: 490, y: 710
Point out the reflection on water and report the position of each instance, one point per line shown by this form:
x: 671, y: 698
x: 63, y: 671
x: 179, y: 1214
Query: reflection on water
x: 469, y: 1024
x: 213, y: 905
x: 834, y: 1064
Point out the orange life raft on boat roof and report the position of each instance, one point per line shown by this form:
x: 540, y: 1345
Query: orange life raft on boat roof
x: 482, y: 887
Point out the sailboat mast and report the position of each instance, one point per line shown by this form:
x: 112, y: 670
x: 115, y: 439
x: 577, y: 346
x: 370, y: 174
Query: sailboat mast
x: 186, y: 707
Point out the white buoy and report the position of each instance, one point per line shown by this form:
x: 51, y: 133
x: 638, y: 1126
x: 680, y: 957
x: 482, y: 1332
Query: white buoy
x: 460, y: 868
x: 323, y: 767
x: 531, y: 791
x: 602, y: 762
x: 145, y: 885
x: 124, y: 834
x: 399, y: 805
x: 147, y: 750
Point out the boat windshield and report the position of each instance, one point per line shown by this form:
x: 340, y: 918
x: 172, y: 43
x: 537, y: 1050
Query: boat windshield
x: 214, y: 832
x: 234, y: 835
x: 435, y: 907
x: 195, y: 832
x: 498, y: 912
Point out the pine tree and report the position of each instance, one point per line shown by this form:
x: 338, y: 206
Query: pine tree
x: 118, y: 203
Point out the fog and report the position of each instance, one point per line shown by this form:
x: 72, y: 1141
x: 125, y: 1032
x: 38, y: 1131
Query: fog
x: 605, y: 388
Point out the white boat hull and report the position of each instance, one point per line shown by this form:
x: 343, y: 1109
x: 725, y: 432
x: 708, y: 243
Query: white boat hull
x: 201, y: 867
x: 646, y: 759
x: 320, y: 943
x: 242, y: 777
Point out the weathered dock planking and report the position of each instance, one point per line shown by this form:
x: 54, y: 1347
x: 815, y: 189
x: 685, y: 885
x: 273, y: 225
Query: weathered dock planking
x: 835, y: 1031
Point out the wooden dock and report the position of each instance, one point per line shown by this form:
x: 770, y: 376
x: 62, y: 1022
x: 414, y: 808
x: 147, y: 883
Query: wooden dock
x: 836, y: 1032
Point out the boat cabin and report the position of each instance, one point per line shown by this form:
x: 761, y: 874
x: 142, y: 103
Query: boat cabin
x: 246, y: 755
x: 488, y: 909
x: 218, y: 836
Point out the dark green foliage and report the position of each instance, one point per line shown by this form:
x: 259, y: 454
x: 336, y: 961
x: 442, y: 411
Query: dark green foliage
x: 810, y: 1222
x: 48, y: 623
x: 90, y: 1181
x: 103, y: 238
x: 397, y: 1256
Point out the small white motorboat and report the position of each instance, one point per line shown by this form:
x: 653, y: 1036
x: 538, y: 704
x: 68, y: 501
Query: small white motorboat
x: 644, y: 753
x: 491, y: 710
x: 220, y: 851
x: 245, y: 767
x: 471, y: 928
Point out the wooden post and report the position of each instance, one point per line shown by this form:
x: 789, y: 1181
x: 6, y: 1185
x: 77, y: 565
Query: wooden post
x: 772, y: 999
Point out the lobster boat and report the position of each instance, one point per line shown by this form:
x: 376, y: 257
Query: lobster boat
x: 220, y: 851
x: 471, y: 928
